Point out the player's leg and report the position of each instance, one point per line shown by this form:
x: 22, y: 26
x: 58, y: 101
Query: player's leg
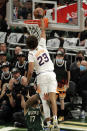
x: 52, y: 87
x: 46, y: 108
x: 52, y: 98
x: 48, y: 84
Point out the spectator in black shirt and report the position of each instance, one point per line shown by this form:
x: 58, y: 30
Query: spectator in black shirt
x: 62, y: 70
x: 16, y: 52
x: 22, y: 64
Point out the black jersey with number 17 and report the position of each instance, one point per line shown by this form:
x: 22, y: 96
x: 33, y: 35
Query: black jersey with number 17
x: 33, y: 118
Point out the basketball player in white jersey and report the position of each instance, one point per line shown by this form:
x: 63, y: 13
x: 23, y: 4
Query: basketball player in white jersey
x: 39, y: 60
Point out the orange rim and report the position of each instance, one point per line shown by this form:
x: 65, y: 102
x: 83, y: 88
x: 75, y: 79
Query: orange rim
x: 37, y: 22
x: 31, y: 21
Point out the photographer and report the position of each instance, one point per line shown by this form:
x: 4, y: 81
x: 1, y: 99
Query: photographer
x: 6, y: 101
x: 6, y: 104
x: 19, y: 87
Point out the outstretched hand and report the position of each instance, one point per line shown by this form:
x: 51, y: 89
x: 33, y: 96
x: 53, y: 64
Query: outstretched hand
x: 42, y: 24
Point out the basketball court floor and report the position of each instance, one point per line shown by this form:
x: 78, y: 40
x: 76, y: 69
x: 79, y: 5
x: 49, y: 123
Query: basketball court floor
x: 69, y: 125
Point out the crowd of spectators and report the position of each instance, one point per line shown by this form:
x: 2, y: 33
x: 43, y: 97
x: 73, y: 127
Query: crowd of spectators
x: 13, y: 85
x: 13, y: 82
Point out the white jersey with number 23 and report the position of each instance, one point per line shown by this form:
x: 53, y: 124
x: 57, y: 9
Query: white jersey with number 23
x: 41, y: 58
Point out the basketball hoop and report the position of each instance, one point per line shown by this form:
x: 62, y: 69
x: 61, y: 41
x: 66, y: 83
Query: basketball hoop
x: 33, y: 27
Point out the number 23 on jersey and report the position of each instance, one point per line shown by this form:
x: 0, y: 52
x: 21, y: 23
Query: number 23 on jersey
x: 42, y: 59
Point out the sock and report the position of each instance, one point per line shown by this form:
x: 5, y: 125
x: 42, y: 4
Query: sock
x: 48, y: 123
x: 55, y: 121
x: 54, y: 118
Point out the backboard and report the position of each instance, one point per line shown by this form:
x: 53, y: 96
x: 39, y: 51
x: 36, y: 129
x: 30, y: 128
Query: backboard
x: 68, y: 16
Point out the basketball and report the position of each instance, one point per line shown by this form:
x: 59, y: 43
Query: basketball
x: 38, y: 13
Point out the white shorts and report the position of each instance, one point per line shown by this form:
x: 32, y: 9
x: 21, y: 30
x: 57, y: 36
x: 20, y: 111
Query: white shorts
x: 47, y: 82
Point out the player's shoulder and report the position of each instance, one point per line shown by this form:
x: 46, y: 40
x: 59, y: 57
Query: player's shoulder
x: 32, y: 52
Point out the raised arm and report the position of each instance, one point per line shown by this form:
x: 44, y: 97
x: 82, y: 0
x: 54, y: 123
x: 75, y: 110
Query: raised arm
x: 39, y: 14
x: 42, y: 27
x: 30, y: 102
x: 42, y: 41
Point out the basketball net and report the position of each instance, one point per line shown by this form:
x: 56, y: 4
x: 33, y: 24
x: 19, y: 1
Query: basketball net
x: 33, y: 28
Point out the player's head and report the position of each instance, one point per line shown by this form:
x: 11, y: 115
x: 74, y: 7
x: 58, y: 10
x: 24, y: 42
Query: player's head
x: 34, y: 100
x: 32, y: 42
